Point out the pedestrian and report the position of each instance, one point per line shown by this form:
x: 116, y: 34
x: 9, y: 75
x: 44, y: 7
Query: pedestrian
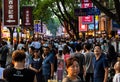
x: 4, y: 50
x: 47, y: 64
x: 112, y: 55
x: 116, y: 77
x: 20, y: 45
x: 36, y: 65
x: 100, y: 65
x: 66, y: 52
x: 36, y: 44
x: 31, y: 52
x: 88, y: 63
x: 60, y: 70
x: 72, y: 68
x: 81, y: 59
x: 18, y: 73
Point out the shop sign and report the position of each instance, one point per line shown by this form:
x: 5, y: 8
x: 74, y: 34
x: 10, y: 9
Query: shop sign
x: 87, y: 19
x: 91, y: 26
x: 27, y: 16
x: 11, y: 13
x: 82, y: 27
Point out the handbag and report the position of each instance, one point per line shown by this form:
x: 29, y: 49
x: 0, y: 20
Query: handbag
x: 52, y: 80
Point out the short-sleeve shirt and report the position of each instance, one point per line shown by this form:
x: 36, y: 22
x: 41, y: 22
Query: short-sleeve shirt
x: 66, y: 56
x: 88, y: 62
x: 99, y: 66
x: 36, y: 63
x: 18, y: 75
x: 36, y: 44
x: 46, y: 64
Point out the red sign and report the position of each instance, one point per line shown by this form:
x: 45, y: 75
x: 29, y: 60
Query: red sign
x: 86, y: 1
x: 27, y: 16
x: 81, y: 26
x: 11, y: 13
x: 87, y: 19
x: 87, y: 5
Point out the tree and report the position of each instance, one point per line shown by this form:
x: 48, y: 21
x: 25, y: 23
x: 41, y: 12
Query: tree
x: 65, y: 13
x: 63, y: 9
x: 53, y: 24
x: 112, y: 11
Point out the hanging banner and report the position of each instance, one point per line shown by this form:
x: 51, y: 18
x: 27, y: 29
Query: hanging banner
x: 87, y: 19
x: 37, y: 26
x: 11, y: 13
x: 27, y: 16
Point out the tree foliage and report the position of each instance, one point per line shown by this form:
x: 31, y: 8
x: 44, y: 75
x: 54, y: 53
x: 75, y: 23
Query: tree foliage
x: 63, y: 9
x: 111, y: 8
x: 53, y: 24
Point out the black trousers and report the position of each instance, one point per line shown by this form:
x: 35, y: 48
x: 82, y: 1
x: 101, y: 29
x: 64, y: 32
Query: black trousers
x: 89, y: 77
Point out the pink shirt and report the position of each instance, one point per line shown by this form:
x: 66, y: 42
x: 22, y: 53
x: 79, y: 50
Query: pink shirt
x: 66, y: 56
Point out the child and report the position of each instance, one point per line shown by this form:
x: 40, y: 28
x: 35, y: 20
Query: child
x: 116, y: 77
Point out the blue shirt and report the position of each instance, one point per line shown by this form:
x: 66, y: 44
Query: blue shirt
x: 99, y: 66
x: 46, y: 64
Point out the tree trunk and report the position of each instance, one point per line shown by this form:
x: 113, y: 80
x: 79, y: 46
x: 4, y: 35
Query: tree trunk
x: 11, y: 29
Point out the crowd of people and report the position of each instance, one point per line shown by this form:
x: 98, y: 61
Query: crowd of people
x: 65, y: 60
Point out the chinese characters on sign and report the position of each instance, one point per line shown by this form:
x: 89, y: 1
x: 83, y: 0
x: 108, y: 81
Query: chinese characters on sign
x: 87, y: 19
x: 10, y: 12
x: 27, y: 16
x: 27, y: 22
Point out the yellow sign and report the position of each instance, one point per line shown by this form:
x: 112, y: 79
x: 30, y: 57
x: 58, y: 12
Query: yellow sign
x: 96, y: 17
x: 36, y: 21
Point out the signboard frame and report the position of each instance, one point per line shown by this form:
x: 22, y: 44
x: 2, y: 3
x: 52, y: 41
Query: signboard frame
x: 25, y: 15
x: 17, y: 10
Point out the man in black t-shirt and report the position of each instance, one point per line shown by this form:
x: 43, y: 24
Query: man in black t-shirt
x: 19, y: 73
